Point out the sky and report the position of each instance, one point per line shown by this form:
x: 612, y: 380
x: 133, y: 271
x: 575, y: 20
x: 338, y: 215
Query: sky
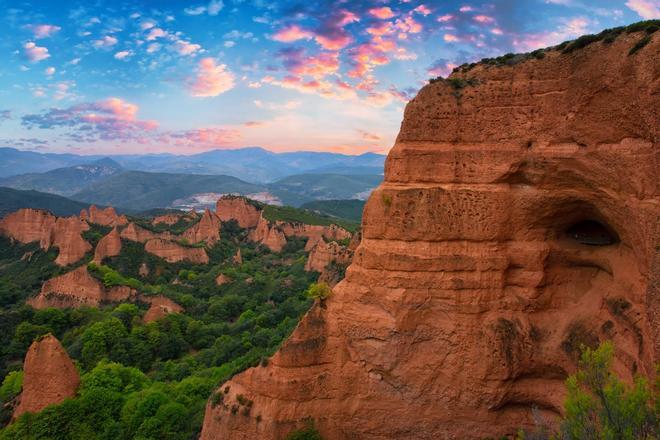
x: 115, y: 77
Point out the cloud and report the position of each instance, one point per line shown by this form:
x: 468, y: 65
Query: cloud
x: 109, y: 119
x: 288, y: 105
x: 291, y: 33
x: 43, y: 30
x: 648, y: 9
x: 297, y: 62
x: 212, y: 79
x: 369, y: 136
x: 155, y: 33
x: 123, y: 54
x: 213, y: 8
x: 4, y: 115
x: 186, y: 48
x: 198, y: 10
x: 105, y: 42
x: 35, y: 53
x: 383, y: 12
x: 50, y: 71
x: 567, y: 30
x: 200, y: 138
x: 251, y: 124
x: 483, y: 19
x: 441, y: 67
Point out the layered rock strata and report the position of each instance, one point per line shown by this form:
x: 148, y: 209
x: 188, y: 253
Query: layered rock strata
x: 518, y: 219
x: 237, y: 208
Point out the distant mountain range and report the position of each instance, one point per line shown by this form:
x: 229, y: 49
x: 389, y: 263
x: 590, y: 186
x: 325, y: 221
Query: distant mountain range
x: 13, y: 199
x: 252, y: 164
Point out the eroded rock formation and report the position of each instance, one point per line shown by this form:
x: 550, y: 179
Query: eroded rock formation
x: 31, y: 225
x: 314, y: 233
x: 268, y: 234
x: 173, y: 252
x: 324, y: 253
x: 160, y: 307
x: 478, y: 274
x: 238, y: 208
x: 78, y: 288
x: 206, y: 230
x: 105, y: 217
x: 108, y: 246
x: 137, y: 233
x: 49, y: 376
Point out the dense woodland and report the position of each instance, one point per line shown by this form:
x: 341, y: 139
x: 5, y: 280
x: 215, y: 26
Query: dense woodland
x: 149, y: 381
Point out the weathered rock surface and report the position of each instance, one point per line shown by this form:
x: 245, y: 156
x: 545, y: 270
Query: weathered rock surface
x: 78, y: 288
x: 238, y: 258
x: 238, y: 208
x: 161, y: 306
x: 167, y: 219
x: 469, y: 293
x: 105, y: 217
x: 206, y: 230
x: 324, y: 253
x: 222, y: 279
x: 134, y: 232
x: 174, y: 252
x: 30, y: 225
x: 314, y: 233
x: 49, y: 376
x: 108, y: 246
x: 268, y: 235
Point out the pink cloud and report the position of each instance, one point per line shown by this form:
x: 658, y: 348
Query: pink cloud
x: 123, y: 54
x: 497, y: 31
x: 483, y: 19
x: 333, y: 42
x: 445, y: 18
x: 570, y: 29
x: 212, y: 79
x: 383, y: 13
x: 318, y: 66
x: 422, y: 9
x: 106, y: 41
x: 466, y: 9
x: 291, y: 33
x: 35, y: 53
x: 648, y: 9
x: 43, y: 30
x: 155, y: 33
x: 323, y: 88
x: 186, y: 48
x: 200, y: 138
x: 450, y: 38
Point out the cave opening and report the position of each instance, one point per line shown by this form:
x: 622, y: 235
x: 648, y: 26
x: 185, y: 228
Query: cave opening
x: 592, y: 233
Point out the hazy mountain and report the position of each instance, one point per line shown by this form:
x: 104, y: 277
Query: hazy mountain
x: 347, y: 209
x: 139, y: 190
x: 13, y: 199
x: 252, y: 164
x: 328, y: 186
x: 64, y: 181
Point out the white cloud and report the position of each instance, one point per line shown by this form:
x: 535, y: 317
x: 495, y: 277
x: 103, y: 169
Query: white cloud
x: 648, y: 9
x: 123, y: 54
x: 107, y: 41
x: 50, y: 71
x: 35, y: 53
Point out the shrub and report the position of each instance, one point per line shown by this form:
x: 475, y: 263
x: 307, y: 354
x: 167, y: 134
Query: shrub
x: 640, y: 44
x: 320, y: 291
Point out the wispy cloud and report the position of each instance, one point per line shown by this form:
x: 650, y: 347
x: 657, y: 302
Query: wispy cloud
x: 212, y: 79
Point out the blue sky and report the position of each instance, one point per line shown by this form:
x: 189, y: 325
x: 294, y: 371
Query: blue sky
x: 187, y: 76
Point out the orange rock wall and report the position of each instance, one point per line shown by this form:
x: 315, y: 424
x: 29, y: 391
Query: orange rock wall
x: 467, y: 299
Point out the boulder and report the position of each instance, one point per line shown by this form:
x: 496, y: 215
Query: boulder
x: 468, y: 297
x: 49, y: 378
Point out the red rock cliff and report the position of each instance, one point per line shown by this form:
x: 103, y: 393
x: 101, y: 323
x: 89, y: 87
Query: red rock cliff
x: 206, y: 230
x: 239, y: 209
x: 108, y: 246
x: 517, y: 219
x: 50, y: 376
x: 105, y: 217
x: 174, y: 252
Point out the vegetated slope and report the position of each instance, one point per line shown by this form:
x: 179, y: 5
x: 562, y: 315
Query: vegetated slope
x: 13, y: 199
x: 139, y: 191
x: 328, y: 186
x: 347, y: 209
x: 65, y: 181
x: 292, y: 214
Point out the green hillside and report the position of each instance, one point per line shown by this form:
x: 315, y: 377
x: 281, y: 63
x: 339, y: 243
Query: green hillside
x: 347, y: 209
x: 327, y: 186
x: 14, y: 199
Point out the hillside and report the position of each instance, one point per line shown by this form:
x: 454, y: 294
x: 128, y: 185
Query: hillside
x: 65, y: 181
x: 141, y: 191
x: 346, y: 209
x: 13, y: 199
x: 328, y: 186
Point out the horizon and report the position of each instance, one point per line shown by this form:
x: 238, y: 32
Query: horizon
x: 197, y: 76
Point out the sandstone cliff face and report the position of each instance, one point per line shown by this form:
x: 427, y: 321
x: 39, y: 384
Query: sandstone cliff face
x: 108, y: 246
x: 173, y: 252
x: 134, y: 232
x: 50, y: 376
x: 105, y: 217
x: 268, y: 235
x: 29, y: 225
x: 239, y: 209
x: 161, y: 306
x: 314, y: 233
x: 206, y: 230
x: 167, y: 219
x: 471, y: 289
x: 78, y: 288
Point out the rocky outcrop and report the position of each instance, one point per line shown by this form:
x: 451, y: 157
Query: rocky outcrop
x: 324, y: 253
x: 222, y: 279
x: 136, y: 233
x: 474, y: 286
x: 167, y: 219
x: 105, y: 217
x: 31, y: 225
x: 160, y: 307
x: 206, y: 230
x: 49, y: 376
x: 268, y: 235
x: 238, y: 208
x: 238, y: 258
x: 173, y: 252
x: 78, y: 288
x: 313, y: 233
x: 108, y: 246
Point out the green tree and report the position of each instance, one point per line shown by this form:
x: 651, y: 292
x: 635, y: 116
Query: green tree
x: 601, y: 407
x: 320, y: 291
